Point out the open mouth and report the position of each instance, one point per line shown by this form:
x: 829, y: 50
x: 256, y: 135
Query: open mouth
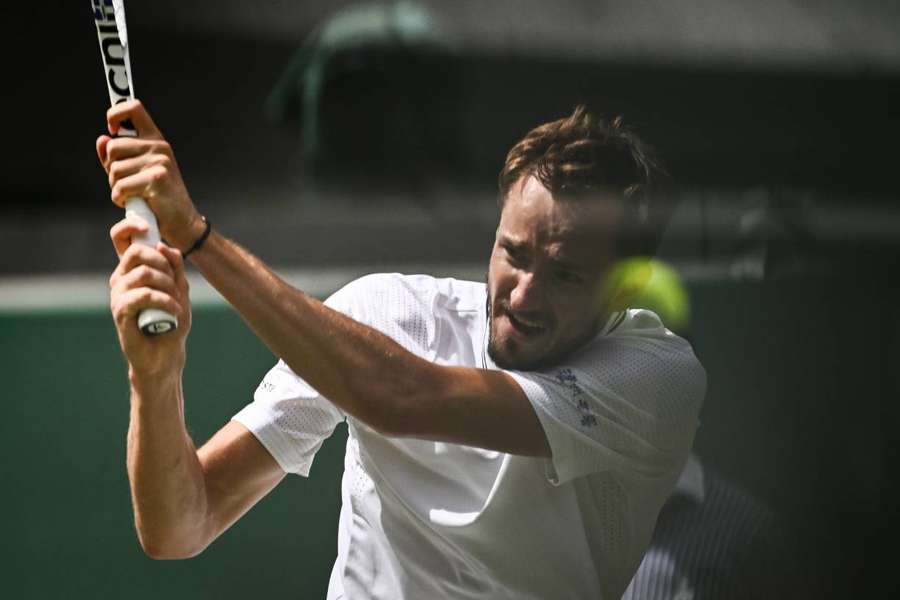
x: 525, y: 326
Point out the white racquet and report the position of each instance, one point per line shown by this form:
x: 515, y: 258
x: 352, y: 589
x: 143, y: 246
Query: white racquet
x: 109, y: 16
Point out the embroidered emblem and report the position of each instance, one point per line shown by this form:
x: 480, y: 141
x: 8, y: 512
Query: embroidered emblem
x: 567, y: 378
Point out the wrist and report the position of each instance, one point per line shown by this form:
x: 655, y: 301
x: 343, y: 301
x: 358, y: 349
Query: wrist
x: 148, y: 384
x: 187, y: 235
x: 207, y: 229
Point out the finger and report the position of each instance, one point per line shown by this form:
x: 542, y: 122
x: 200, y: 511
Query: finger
x: 138, y: 254
x: 147, y: 277
x: 134, y: 111
x: 126, y: 147
x: 124, y: 167
x: 173, y: 255
x: 101, y: 144
x: 122, y: 232
x: 127, y: 305
x: 141, y: 185
x: 177, y: 262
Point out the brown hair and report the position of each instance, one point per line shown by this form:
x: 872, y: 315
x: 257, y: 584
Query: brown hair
x: 581, y: 155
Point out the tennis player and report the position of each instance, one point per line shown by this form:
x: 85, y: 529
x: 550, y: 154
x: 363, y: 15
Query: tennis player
x: 514, y: 439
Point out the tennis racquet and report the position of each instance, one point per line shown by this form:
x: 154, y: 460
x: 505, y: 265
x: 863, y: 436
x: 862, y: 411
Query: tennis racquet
x: 109, y: 16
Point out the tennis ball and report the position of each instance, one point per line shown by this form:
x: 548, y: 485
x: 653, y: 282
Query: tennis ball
x: 642, y: 282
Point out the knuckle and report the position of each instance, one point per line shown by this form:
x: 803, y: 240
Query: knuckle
x: 143, y: 273
x: 159, y: 174
x: 130, y: 255
x: 116, y: 307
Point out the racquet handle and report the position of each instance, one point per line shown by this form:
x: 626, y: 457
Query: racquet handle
x: 151, y: 321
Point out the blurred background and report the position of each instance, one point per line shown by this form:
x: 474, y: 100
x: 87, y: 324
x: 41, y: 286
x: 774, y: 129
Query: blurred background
x: 337, y: 138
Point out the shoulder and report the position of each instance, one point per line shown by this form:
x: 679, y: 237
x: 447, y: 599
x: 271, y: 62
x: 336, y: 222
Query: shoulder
x: 641, y: 362
x: 641, y: 332
x: 370, y: 289
x: 411, y: 291
x: 407, y: 308
x: 627, y: 401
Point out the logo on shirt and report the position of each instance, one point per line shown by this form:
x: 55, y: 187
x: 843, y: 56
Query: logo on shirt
x: 567, y: 378
x: 266, y: 386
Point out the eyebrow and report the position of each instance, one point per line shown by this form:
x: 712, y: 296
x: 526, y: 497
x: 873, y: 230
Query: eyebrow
x: 510, y: 241
x: 566, y: 263
x: 558, y: 261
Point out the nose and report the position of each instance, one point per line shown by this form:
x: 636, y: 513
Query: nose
x: 528, y: 294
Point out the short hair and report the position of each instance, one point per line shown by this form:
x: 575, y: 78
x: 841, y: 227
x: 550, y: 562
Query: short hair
x: 582, y: 155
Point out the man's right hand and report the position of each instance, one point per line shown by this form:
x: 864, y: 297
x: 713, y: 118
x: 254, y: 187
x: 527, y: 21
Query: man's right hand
x: 145, y: 167
x: 148, y: 278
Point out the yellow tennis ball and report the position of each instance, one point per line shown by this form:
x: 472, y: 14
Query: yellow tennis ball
x: 643, y: 282
x: 625, y: 281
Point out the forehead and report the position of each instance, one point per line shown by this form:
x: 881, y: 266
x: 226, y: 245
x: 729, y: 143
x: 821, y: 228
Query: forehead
x: 583, y: 226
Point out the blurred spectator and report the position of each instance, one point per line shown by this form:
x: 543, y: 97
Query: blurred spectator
x: 715, y: 540
x: 372, y: 94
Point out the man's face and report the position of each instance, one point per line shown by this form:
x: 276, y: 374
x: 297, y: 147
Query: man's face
x: 545, y: 283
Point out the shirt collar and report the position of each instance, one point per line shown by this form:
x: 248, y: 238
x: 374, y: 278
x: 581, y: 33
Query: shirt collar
x: 613, y: 321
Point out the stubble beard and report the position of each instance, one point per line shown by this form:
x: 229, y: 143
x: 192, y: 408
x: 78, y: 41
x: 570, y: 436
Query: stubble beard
x: 497, y: 355
x: 496, y: 352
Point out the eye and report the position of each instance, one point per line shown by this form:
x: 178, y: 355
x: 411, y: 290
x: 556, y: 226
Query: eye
x: 515, y: 256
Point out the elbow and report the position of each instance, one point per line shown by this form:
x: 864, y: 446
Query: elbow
x: 160, y: 551
x: 168, y: 547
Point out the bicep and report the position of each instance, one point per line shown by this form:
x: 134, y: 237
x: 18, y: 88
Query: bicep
x: 238, y: 472
x: 480, y: 408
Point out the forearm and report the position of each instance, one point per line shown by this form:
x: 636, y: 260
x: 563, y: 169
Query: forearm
x: 167, y: 484
x: 354, y: 366
x: 366, y: 373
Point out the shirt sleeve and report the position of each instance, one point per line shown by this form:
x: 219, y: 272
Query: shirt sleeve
x: 287, y: 415
x: 623, y: 404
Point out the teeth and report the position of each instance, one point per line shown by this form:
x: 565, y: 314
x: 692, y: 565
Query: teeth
x: 528, y: 323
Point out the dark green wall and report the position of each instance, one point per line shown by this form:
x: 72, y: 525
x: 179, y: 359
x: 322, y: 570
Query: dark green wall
x: 68, y: 529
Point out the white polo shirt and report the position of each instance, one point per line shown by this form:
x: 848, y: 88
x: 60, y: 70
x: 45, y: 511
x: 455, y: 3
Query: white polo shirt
x: 425, y: 520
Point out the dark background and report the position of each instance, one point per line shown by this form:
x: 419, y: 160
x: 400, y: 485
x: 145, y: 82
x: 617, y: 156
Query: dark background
x: 778, y: 119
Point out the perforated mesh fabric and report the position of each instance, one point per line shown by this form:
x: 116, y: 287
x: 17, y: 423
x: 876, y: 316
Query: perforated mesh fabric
x: 396, y: 305
x: 627, y: 403
x: 292, y: 419
x: 620, y: 416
